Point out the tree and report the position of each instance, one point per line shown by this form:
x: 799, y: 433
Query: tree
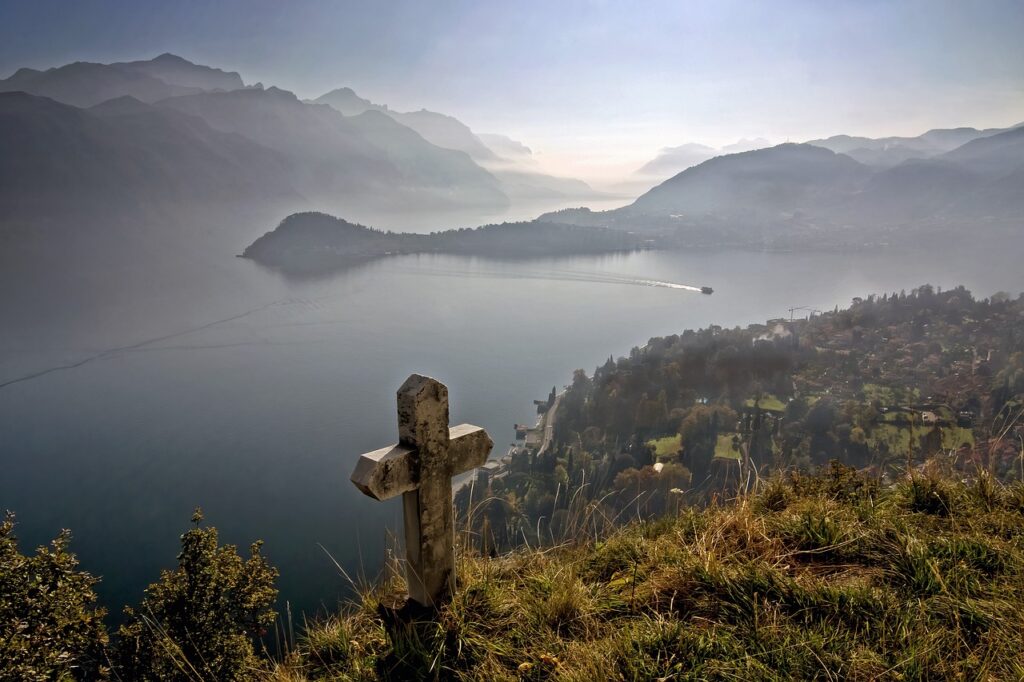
x: 50, y: 628
x: 699, y: 434
x: 651, y: 490
x: 1009, y: 382
x: 201, y: 619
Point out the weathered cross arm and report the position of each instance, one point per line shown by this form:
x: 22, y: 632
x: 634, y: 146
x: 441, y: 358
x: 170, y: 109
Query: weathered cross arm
x: 391, y: 471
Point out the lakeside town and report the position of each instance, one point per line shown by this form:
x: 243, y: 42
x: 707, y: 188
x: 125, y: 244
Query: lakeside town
x: 894, y: 382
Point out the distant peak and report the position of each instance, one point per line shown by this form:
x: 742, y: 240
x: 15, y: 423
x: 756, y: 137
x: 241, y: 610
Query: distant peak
x: 169, y: 57
x: 348, y: 102
x: 25, y: 71
x: 688, y: 146
x: 343, y: 91
x: 122, y: 101
x: 25, y: 96
x: 273, y: 89
x: 959, y: 129
x: 125, y: 104
x: 73, y: 66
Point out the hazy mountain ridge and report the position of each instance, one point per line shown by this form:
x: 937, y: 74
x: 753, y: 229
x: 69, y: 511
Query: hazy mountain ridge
x: 800, y: 194
x: 360, y: 163
x: 526, y: 184
x: 56, y: 159
x: 882, y: 152
x: 181, y: 131
x: 179, y: 71
x: 996, y: 154
x: 366, y: 158
x: 508, y: 160
x: 348, y: 102
x: 673, y: 160
x: 445, y: 131
x: 438, y: 129
x: 505, y: 146
x: 85, y: 84
x: 785, y: 177
x: 891, y: 151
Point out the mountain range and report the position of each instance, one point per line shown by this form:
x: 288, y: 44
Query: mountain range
x: 145, y: 137
x: 85, y: 84
x: 673, y: 160
x: 506, y: 159
x: 786, y: 196
x: 162, y: 129
x: 880, y: 152
x: 124, y: 154
x: 809, y: 195
x: 439, y: 129
x: 368, y: 158
x: 890, y: 151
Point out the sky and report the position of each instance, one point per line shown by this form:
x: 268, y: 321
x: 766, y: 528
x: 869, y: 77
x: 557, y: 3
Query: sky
x: 595, y: 88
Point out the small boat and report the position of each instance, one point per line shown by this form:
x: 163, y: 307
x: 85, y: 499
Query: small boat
x: 707, y: 290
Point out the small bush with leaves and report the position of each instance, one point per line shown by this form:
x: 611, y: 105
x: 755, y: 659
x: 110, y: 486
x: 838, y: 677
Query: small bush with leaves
x: 201, y: 620
x: 50, y: 628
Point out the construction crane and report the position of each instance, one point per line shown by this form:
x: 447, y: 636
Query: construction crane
x: 810, y: 310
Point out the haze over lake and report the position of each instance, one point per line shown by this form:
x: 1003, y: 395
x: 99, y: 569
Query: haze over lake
x: 261, y: 391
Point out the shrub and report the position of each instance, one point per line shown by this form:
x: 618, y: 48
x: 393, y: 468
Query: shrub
x: 932, y: 495
x: 836, y: 481
x: 49, y: 626
x: 201, y: 620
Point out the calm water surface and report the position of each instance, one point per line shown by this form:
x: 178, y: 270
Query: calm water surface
x: 258, y: 393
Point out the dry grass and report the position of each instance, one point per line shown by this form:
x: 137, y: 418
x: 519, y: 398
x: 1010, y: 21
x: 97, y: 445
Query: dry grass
x: 810, y: 578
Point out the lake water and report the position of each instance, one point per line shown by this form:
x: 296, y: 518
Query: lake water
x: 251, y: 395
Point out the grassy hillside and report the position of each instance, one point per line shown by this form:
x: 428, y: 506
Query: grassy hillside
x: 826, y: 577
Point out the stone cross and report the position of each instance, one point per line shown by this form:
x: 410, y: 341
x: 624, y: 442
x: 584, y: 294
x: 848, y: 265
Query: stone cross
x: 420, y: 468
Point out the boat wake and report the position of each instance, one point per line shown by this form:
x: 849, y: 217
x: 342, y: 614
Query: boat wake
x: 569, y: 276
x: 666, y: 285
x: 635, y: 281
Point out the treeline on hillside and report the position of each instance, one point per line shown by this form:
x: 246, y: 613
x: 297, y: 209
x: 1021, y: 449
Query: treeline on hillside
x: 316, y: 242
x: 880, y: 386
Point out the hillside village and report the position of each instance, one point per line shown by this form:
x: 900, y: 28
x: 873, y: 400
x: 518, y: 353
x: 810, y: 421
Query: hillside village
x: 889, y: 383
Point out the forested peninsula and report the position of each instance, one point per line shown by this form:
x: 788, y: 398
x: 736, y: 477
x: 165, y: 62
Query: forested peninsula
x: 311, y: 243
